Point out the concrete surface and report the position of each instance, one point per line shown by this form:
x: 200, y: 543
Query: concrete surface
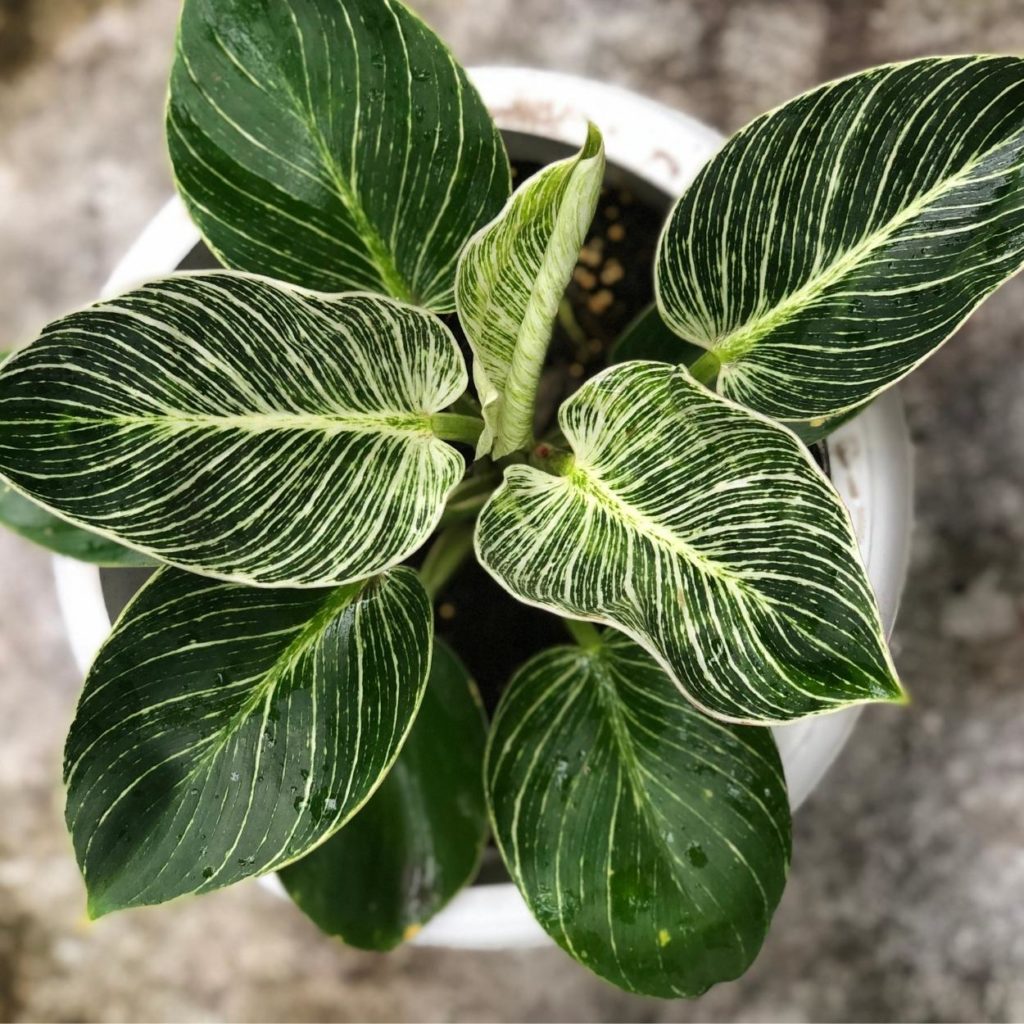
x: 907, y: 894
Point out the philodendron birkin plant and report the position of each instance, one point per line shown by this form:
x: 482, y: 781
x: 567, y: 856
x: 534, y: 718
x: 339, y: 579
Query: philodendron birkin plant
x: 282, y: 437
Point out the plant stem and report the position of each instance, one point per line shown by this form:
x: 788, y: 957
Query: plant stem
x: 571, y: 326
x: 453, y: 426
x: 552, y: 460
x: 466, y: 404
x: 706, y: 368
x: 584, y: 633
x: 466, y: 509
x: 447, y: 553
x: 480, y: 483
x: 470, y: 496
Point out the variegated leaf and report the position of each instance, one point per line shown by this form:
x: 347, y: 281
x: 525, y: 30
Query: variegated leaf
x: 419, y: 838
x: 835, y: 242
x: 511, y: 278
x: 35, y: 523
x: 225, y: 731
x: 335, y: 144
x: 708, y: 535
x: 651, y: 842
x: 243, y: 429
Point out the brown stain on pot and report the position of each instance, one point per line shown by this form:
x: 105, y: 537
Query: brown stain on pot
x: 536, y: 117
x: 670, y: 162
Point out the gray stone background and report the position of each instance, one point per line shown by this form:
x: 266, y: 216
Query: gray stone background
x: 907, y: 894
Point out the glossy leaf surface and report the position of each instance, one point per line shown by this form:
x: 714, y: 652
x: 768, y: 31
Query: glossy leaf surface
x: 650, y: 841
x: 707, y: 534
x: 835, y: 242
x: 419, y: 838
x: 239, y: 428
x: 335, y: 144
x: 225, y: 731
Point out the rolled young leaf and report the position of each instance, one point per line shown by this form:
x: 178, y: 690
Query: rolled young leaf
x: 512, y: 276
x: 34, y: 523
x: 835, y: 242
x: 236, y: 427
x: 335, y: 144
x: 707, y: 534
x: 225, y: 731
x: 649, y: 841
x: 419, y: 838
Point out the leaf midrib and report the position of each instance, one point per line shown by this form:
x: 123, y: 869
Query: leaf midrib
x: 339, y: 599
x: 740, y: 341
x: 588, y: 483
x: 378, y: 253
x: 376, y: 250
x: 399, y: 424
x: 610, y: 702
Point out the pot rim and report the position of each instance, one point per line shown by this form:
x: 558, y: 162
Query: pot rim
x: 870, y: 455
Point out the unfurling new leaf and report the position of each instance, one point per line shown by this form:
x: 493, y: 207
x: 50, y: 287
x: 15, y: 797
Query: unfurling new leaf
x: 511, y: 279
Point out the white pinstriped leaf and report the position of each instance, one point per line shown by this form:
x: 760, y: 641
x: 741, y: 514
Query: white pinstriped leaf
x: 708, y: 535
x: 240, y: 428
x: 652, y: 843
x: 835, y: 242
x: 419, y: 838
x: 335, y: 144
x: 225, y: 731
x: 31, y: 521
x: 511, y: 278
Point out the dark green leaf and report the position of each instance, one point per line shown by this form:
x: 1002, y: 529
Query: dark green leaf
x: 243, y: 429
x: 650, y: 842
x: 837, y: 241
x: 335, y: 144
x: 225, y: 731
x: 34, y: 523
x: 419, y: 838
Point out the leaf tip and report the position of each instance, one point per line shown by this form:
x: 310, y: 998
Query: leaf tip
x: 95, y: 907
x: 891, y: 691
x: 901, y: 696
x: 594, y: 143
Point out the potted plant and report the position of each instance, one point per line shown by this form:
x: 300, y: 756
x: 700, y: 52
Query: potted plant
x: 656, y: 152
x: 296, y: 442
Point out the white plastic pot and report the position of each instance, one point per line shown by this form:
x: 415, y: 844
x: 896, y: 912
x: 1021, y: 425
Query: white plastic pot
x: 870, y: 456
